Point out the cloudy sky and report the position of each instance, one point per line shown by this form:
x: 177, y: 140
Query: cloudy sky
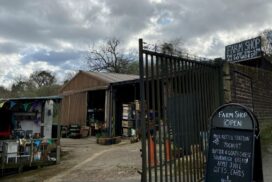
x: 55, y: 34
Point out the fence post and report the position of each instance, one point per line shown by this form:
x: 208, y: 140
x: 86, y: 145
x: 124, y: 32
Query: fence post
x: 58, y: 154
x: 143, y: 123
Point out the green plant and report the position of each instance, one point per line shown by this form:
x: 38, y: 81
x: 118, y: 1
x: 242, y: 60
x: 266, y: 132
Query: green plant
x: 266, y: 134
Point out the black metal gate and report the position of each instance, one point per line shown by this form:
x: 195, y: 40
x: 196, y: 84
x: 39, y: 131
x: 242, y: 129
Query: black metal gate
x: 177, y: 97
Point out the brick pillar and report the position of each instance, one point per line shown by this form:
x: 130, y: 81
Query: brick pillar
x: 227, y: 83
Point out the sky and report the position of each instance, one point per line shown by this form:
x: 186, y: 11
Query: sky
x: 55, y: 35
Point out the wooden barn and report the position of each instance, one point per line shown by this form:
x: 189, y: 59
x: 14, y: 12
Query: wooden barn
x: 90, y: 97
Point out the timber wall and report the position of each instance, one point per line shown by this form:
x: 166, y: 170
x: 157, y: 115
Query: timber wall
x: 74, y: 109
x: 75, y: 93
x: 83, y: 82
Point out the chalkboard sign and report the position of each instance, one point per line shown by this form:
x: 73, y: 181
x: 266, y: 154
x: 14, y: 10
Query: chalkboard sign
x: 231, y: 152
x: 245, y: 50
x: 230, y: 156
x: 233, y: 116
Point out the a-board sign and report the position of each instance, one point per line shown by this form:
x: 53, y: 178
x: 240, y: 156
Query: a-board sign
x: 231, y: 145
x: 245, y: 50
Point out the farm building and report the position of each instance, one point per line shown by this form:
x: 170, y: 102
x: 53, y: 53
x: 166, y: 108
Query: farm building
x: 95, y: 99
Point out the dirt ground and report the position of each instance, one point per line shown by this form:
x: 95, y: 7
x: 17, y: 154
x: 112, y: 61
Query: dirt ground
x: 84, y: 160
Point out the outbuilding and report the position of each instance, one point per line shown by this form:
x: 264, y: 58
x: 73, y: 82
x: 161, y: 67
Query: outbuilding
x: 95, y: 99
x: 29, y: 134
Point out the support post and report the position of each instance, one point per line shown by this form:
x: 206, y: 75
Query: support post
x: 143, y: 123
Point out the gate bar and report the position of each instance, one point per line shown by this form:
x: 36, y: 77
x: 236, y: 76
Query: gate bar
x: 158, y: 60
x: 143, y: 123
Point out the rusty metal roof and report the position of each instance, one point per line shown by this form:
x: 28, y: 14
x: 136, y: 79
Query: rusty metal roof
x: 113, y: 77
x: 56, y: 97
x: 105, y: 79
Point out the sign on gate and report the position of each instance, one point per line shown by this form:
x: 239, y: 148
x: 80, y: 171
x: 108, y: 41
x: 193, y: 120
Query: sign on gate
x: 233, y: 145
x: 245, y: 50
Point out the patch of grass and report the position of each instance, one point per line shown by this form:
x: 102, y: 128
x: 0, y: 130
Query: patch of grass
x: 266, y: 135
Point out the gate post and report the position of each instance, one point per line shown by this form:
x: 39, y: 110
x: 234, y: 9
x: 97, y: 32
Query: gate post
x: 143, y: 123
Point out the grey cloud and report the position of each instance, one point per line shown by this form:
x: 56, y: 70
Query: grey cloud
x: 73, y: 65
x: 128, y: 17
x: 10, y: 47
x: 45, y: 23
x: 198, y: 17
x: 48, y: 22
x: 49, y: 27
x: 56, y: 58
x: 201, y: 19
x: 141, y: 9
x: 217, y: 48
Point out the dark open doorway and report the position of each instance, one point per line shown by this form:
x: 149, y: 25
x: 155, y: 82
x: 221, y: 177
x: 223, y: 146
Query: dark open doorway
x: 124, y: 94
x: 96, y: 109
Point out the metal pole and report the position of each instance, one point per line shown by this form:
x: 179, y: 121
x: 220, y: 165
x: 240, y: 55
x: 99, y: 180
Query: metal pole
x: 58, y: 133
x: 142, y: 95
x: 110, y: 111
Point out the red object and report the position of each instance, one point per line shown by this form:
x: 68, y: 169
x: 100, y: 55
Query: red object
x: 5, y: 133
x: 152, y: 154
x: 167, y: 146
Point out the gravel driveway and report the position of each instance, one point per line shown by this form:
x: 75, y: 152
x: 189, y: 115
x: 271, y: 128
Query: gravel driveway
x: 87, y: 161
x: 84, y: 160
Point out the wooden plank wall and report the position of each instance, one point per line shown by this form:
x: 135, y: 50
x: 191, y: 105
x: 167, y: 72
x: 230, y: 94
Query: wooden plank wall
x: 74, y: 102
x: 82, y: 81
x: 74, y: 109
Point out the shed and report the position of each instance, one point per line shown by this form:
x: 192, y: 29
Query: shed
x: 88, y: 97
x: 36, y: 114
x: 29, y: 132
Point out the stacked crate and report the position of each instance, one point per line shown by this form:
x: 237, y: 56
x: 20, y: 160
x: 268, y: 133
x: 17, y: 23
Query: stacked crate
x: 74, y: 131
x: 127, y: 120
x: 137, y: 116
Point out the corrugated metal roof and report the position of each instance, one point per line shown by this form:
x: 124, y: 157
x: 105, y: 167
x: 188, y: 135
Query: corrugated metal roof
x: 113, y: 77
x: 33, y: 98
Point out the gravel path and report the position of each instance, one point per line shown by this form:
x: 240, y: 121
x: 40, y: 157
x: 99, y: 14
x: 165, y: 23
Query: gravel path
x: 88, y: 161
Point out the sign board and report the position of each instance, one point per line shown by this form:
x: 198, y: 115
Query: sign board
x: 231, y: 152
x: 48, y: 118
x: 230, y: 158
x: 245, y: 50
x: 233, y: 117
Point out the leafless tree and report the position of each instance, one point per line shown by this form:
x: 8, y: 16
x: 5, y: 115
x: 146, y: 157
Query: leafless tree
x: 173, y: 47
x: 20, y: 86
x: 68, y: 76
x: 42, y: 78
x: 266, y: 36
x: 109, y: 57
x: 4, y: 92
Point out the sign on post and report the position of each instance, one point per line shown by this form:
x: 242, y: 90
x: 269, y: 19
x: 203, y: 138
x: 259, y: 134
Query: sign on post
x: 245, y: 50
x: 232, y: 145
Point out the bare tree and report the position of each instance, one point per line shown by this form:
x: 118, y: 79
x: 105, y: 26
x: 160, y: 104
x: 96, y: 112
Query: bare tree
x: 109, y: 57
x: 173, y: 47
x: 42, y: 78
x: 4, y: 92
x: 21, y: 86
x: 68, y: 76
x: 40, y: 83
x: 266, y: 36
